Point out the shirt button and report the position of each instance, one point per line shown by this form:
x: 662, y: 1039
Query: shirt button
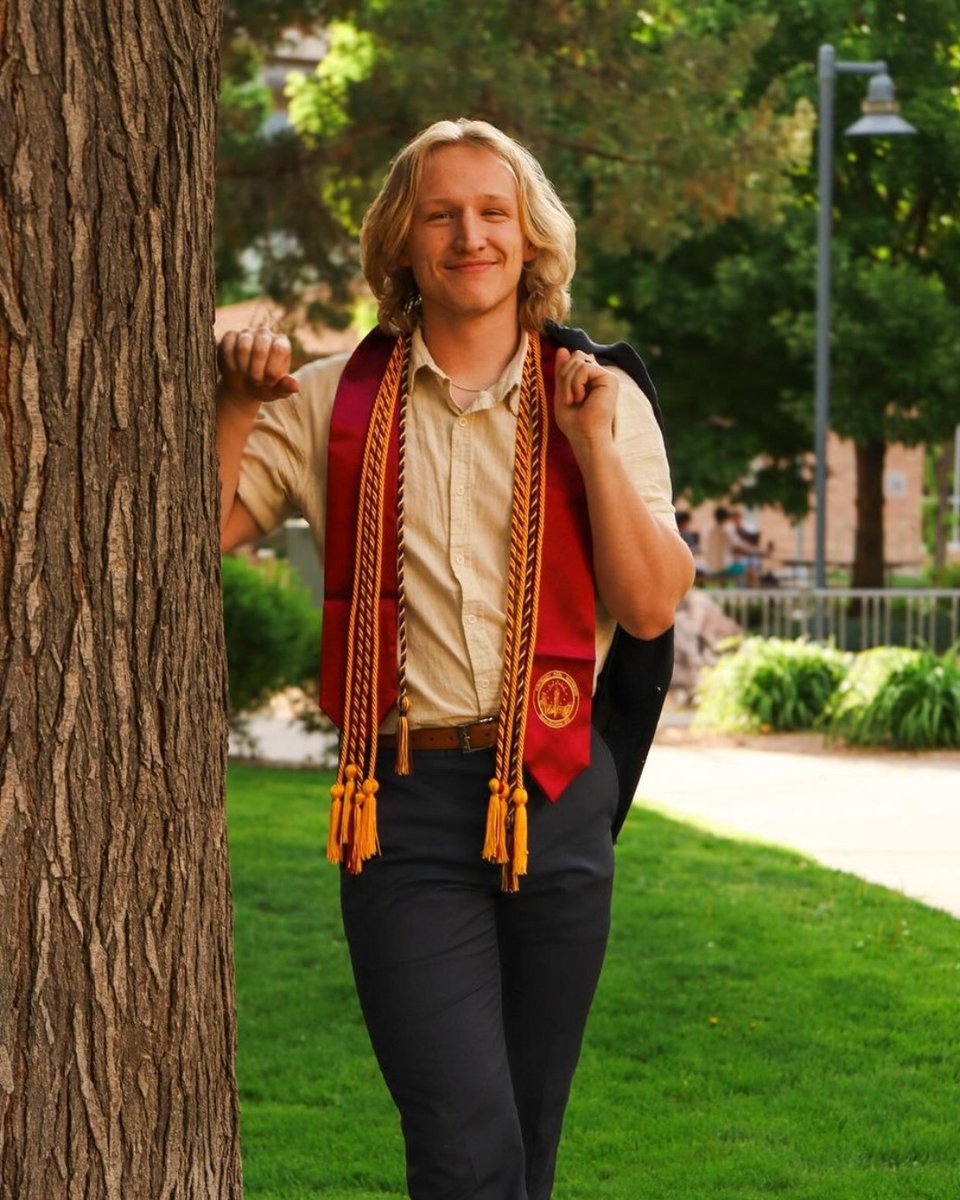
x: 459, y: 560
x: 471, y: 619
x: 462, y: 421
x: 461, y: 490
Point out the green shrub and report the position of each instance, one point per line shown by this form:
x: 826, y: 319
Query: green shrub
x: 272, y: 631
x: 908, y: 699
x: 947, y: 577
x: 859, y: 687
x: 770, y: 684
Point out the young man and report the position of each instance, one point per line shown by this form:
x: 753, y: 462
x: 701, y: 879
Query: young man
x: 487, y: 505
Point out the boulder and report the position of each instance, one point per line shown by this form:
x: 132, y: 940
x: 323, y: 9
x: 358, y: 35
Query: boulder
x: 700, y: 626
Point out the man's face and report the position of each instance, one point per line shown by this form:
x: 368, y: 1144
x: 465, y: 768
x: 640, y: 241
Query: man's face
x: 465, y: 246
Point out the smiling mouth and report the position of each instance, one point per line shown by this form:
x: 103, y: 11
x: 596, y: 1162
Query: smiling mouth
x: 469, y: 267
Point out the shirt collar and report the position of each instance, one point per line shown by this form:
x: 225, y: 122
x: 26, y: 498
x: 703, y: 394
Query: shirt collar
x: 507, y: 387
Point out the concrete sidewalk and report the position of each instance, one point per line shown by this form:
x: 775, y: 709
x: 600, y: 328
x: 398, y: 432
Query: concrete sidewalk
x: 891, y: 819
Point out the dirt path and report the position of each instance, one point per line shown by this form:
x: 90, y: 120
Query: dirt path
x: 797, y: 743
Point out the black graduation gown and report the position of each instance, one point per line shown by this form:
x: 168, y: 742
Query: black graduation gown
x: 633, y: 684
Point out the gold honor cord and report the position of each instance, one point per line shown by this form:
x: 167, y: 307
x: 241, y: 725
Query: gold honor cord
x: 402, y: 766
x: 505, y: 841
x: 352, y: 836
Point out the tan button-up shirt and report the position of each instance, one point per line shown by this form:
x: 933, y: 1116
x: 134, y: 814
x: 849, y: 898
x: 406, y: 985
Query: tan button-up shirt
x: 459, y: 486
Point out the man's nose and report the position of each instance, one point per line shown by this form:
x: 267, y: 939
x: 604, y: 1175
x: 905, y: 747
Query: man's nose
x: 470, y: 235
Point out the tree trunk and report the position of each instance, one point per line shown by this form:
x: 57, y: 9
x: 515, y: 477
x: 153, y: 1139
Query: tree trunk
x: 868, y: 553
x: 117, y: 1025
x: 942, y: 470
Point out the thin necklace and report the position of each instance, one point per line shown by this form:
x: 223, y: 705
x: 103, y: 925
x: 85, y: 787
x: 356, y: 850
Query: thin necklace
x: 472, y: 390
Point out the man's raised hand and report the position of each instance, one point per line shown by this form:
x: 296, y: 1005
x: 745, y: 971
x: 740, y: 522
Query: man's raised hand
x: 585, y: 397
x: 255, y: 365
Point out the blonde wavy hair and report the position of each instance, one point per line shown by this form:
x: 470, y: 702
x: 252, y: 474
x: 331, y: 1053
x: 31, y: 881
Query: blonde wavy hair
x: 544, y: 286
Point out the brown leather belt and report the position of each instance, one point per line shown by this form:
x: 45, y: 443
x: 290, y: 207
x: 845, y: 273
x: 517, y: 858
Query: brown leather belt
x: 465, y: 738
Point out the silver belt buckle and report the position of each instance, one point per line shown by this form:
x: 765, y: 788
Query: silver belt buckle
x: 463, y: 735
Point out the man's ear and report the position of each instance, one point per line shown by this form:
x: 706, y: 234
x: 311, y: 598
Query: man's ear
x: 529, y: 252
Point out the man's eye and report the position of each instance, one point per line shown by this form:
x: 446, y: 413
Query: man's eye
x: 440, y: 216
x: 494, y: 212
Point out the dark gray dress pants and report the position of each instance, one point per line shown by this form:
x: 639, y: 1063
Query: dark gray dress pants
x: 476, y: 1000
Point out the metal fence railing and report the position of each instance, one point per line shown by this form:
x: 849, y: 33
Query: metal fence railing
x: 853, y: 618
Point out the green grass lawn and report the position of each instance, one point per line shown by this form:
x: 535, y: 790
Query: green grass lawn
x: 764, y: 1027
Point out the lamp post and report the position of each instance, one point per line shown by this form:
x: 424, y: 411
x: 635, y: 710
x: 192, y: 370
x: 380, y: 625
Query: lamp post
x: 880, y: 118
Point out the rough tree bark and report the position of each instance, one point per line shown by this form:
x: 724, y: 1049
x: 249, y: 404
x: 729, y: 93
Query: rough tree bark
x: 942, y: 472
x: 868, y: 550
x: 116, y: 975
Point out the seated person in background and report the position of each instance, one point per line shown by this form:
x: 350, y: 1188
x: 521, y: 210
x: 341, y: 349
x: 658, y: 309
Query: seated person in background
x: 747, y: 547
x: 720, y: 547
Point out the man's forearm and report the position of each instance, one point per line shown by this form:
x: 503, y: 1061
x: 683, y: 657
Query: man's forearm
x: 642, y: 568
x: 236, y: 414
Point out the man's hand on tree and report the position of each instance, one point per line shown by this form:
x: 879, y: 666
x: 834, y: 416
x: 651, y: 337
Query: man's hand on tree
x: 255, y: 365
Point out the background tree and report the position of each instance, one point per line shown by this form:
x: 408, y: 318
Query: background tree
x: 729, y: 316
x: 276, y: 231
x: 116, y: 989
x: 638, y: 119
x: 679, y: 135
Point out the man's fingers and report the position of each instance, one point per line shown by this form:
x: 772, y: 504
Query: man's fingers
x: 225, y: 351
x: 564, y: 365
x: 277, y: 362
x: 573, y: 373
x: 286, y: 386
x: 257, y: 362
x: 243, y: 350
x: 259, y: 353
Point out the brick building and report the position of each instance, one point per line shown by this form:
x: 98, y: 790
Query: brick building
x: 792, y: 548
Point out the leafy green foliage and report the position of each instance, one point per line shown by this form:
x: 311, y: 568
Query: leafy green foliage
x: 947, y: 577
x: 272, y: 631
x: 770, y: 684
x: 679, y: 136
x: 907, y: 699
x: 638, y: 116
x: 728, y: 316
x: 261, y: 22
x: 858, y: 689
x: 274, y: 233
x: 318, y: 103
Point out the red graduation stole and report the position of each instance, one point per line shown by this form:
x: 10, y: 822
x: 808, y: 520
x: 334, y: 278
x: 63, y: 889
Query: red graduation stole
x: 556, y: 746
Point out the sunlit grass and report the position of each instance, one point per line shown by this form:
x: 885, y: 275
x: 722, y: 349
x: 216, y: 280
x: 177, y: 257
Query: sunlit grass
x: 764, y: 1027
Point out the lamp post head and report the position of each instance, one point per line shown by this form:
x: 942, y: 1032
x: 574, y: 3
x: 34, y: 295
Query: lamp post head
x: 880, y: 111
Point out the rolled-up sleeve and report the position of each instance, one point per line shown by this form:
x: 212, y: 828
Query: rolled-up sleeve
x: 639, y: 442
x: 283, y: 472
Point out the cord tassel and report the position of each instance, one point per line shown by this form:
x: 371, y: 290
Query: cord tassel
x: 334, y: 851
x: 349, y: 805
x: 402, y: 765
x: 518, y: 855
x: 494, y: 842
x: 354, y: 857
x: 368, y: 841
